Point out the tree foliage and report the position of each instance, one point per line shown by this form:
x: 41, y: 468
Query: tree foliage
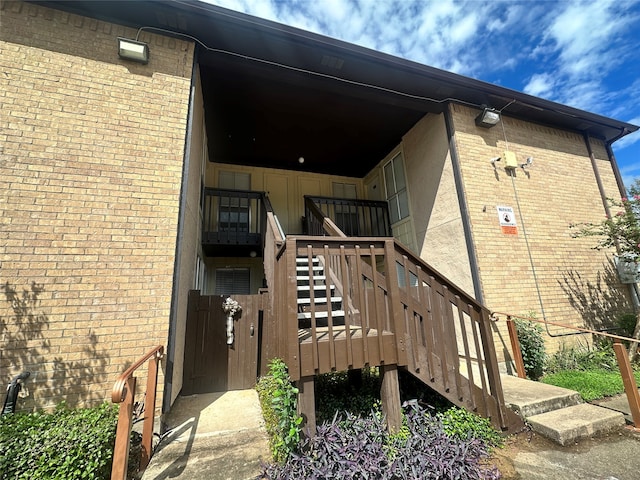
x: 621, y: 230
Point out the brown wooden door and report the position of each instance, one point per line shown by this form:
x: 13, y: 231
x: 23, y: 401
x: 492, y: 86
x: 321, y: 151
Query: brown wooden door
x: 210, y: 365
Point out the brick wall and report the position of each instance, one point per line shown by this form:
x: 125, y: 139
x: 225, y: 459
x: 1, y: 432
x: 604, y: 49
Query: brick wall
x: 90, y: 173
x: 577, y: 284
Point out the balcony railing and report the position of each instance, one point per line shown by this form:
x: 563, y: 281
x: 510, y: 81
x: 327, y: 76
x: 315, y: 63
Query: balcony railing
x: 356, y: 218
x: 233, y: 220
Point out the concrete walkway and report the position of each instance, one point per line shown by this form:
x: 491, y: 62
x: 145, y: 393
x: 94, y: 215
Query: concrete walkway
x: 221, y: 436
x: 569, y: 440
x: 213, y: 436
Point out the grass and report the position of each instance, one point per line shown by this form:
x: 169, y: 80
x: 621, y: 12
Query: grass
x: 592, y: 384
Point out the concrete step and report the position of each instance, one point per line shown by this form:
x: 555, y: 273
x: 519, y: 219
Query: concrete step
x: 570, y: 424
x: 532, y: 398
x: 557, y: 413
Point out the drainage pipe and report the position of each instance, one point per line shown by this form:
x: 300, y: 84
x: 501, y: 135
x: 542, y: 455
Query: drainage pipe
x: 462, y: 203
x: 633, y: 287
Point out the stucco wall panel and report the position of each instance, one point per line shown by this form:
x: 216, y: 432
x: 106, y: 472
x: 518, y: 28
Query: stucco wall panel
x: 434, y: 201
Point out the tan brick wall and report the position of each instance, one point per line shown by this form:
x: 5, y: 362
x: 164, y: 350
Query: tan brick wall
x: 577, y: 284
x: 90, y: 172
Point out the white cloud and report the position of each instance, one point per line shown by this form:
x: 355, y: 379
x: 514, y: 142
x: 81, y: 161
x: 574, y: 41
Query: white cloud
x: 541, y: 85
x: 583, y: 44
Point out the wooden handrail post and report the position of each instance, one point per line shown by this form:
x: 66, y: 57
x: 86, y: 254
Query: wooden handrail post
x: 629, y: 381
x: 150, y: 408
x: 123, y: 432
x: 124, y: 391
x: 515, y: 347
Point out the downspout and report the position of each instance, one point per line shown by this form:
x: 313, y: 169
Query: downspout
x: 596, y: 172
x: 173, y: 315
x: 462, y: 203
x: 633, y: 287
x: 614, y: 163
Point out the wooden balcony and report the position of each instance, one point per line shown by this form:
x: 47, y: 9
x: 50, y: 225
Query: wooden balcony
x: 233, y: 221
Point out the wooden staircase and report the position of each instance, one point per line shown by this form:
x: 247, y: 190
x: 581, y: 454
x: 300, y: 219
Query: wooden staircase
x: 317, y: 298
x: 345, y: 303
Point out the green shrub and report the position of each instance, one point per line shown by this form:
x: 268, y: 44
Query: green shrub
x: 461, y: 424
x: 591, y: 384
x: 336, y: 392
x: 532, y: 346
x: 627, y: 324
x: 598, y: 357
x: 66, y: 444
x: 279, y: 401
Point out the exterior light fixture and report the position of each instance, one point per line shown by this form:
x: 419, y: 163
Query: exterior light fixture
x: 133, y: 50
x: 488, y: 118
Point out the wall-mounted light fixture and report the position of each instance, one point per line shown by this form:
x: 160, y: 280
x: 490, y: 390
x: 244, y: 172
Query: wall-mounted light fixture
x: 133, y: 50
x: 488, y: 118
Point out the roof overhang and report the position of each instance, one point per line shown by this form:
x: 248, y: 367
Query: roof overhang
x: 274, y: 93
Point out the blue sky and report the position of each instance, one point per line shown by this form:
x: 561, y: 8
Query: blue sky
x: 580, y: 53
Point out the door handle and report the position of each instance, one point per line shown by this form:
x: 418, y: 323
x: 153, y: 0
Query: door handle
x: 251, y: 330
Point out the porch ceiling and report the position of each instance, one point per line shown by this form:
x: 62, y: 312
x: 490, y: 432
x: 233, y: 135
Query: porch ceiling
x: 271, y: 117
x: 261, y: 113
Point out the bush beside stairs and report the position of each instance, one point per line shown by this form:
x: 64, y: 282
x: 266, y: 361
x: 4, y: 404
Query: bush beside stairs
x: 558, y: 413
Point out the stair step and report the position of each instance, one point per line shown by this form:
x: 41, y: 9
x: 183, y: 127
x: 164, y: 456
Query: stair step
x: 533, y: 398
x: 320, y: 300
x: 334, y: 314
x: 306, y: 278
x: 566, y: 425
x: 304, y: 288
x: 305, y: 268
x: 305, y: 260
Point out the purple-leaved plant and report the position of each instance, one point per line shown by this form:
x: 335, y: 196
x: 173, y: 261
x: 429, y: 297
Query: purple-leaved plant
x: 360, y: 448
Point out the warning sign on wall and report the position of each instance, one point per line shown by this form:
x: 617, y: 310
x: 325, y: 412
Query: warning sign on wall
x: 507, y: 220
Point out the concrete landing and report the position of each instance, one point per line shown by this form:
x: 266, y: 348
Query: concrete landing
x: 557, y: 413
x: 214, y: 436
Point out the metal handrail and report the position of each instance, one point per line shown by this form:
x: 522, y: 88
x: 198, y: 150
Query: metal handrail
x: 363, y: 217
x: 629, y: 381
x: 124, y: 393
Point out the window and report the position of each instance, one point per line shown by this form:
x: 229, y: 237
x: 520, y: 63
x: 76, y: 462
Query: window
x: 233, y: 215
x: 346, y: 215
x: 233, y: 281
x: 200, y: 281
x: 396, y: 189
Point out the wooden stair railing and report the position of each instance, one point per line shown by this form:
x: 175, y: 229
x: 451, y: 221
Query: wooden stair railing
x: 450, y: 345
x: 123, y: 393
x: 400, y: 312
